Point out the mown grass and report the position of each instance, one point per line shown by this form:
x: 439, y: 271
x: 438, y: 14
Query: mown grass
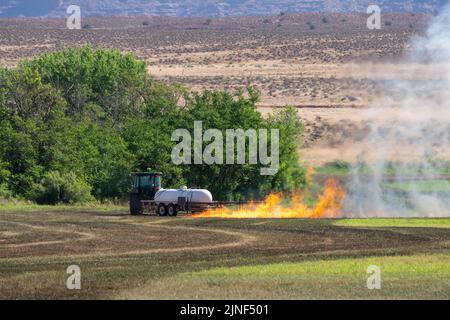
x: 437, y: 265
x: 404, y: 223
x: 290, y: 259
x: 406, y: 277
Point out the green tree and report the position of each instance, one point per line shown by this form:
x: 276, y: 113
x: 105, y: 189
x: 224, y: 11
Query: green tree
x: 291, y: 175
x: 66, y: 188
x: 75, y: 123
x: 28, y: 97
x: 29, y: 107
x: 222, y: 111
x: 106, y: 78
x: 94, y: 152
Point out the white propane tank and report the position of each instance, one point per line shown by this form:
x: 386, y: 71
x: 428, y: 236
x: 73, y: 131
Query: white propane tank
x: 170, y: 196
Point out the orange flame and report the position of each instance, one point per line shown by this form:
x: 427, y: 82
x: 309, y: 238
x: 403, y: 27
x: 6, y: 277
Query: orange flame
x: 328, y: 206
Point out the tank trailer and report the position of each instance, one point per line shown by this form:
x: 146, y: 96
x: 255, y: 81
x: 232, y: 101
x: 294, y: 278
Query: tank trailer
x: 147, y: 195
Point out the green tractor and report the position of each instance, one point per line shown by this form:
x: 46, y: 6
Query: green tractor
x: 145, y: 186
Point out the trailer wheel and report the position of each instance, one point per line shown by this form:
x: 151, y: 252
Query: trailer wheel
x: 172, y: 210
x: 135, y: 205
x: 162, y: 210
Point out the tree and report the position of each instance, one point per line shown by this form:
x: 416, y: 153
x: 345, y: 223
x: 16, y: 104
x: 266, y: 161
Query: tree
x: 66, y: 188
x: 222, y: 111
x: 91, y: 117
x: 28, y: 107
x: 29, y: 98
x: 291, y: 176
x: 96, y: 153
x: 106, y: 78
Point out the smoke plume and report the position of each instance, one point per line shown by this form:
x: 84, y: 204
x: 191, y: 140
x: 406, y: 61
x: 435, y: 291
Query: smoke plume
x: 406, y: 164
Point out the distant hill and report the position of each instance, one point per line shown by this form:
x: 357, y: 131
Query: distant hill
x: 205, y: 8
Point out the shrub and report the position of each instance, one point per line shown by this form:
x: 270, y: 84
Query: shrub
x: 339, y: 164
x: 4, y: 192
x: 57, y: 188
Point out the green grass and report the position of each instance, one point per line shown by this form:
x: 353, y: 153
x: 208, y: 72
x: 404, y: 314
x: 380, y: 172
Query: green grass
x: 429, y: 186
x: 386, y: 222
x: 333, y: 170
x: 416, y: 276
x: 342, y: 168
x: 417, y: 266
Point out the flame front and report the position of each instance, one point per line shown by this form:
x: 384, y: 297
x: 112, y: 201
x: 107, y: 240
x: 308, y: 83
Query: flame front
x: 328, y: 206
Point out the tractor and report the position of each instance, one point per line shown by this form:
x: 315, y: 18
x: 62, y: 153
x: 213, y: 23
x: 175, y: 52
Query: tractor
x: 145, y: 186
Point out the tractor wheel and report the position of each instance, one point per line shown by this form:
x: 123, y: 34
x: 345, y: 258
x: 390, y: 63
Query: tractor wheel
x: 162, y: 210
x: 172, y: 210
x: 135, y: 205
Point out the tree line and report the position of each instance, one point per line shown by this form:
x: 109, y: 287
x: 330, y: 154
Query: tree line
x: 74, y: 124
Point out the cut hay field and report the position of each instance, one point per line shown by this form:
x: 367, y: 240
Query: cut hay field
x: 124, y: 257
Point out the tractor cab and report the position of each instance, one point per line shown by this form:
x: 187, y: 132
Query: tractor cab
x: 145, y: 186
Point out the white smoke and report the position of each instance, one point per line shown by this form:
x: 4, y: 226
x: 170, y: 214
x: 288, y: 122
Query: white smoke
x: 409, y: 139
